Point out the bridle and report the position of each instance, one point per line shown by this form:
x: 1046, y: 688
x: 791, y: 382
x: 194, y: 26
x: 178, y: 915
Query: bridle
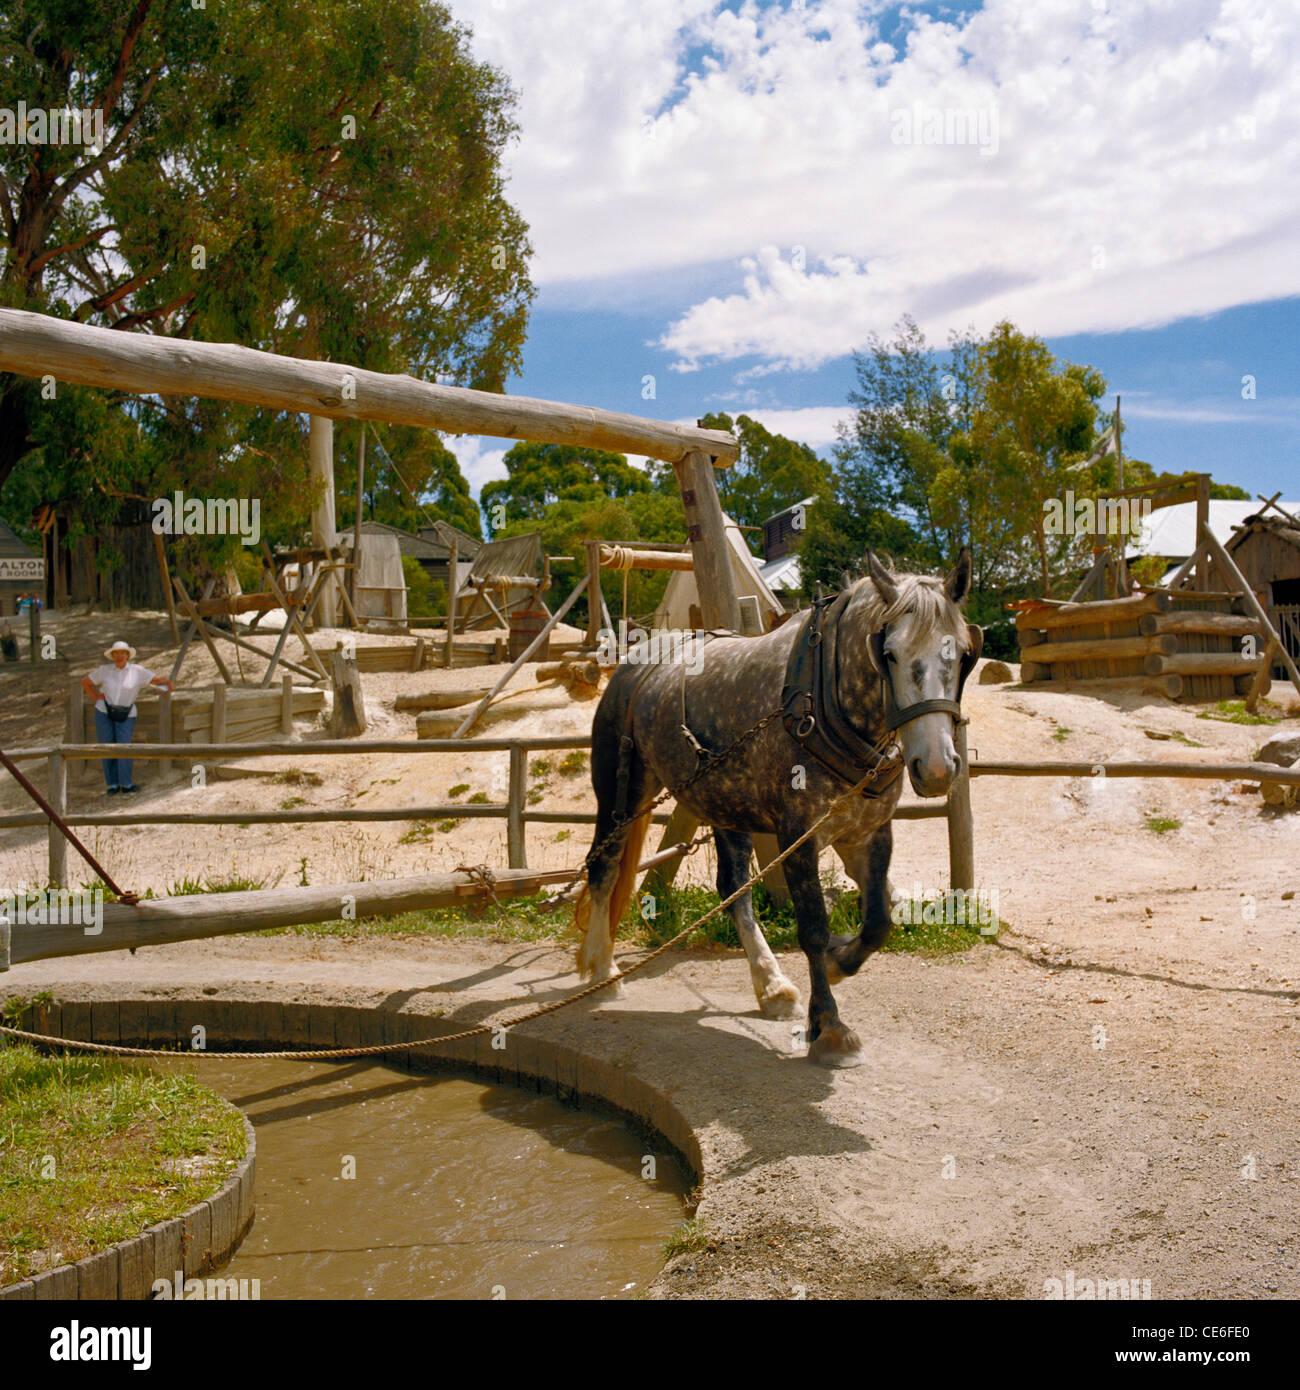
x: 896, y: 717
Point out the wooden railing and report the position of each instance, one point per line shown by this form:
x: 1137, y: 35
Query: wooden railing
x: 514, y: 810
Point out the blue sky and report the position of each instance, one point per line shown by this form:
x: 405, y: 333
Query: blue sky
x: 730, y: 198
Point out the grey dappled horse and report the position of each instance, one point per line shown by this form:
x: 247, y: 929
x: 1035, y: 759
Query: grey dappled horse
x: 890, y: 652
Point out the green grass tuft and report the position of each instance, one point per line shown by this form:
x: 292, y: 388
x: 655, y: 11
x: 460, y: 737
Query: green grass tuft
x: 1234, y: 712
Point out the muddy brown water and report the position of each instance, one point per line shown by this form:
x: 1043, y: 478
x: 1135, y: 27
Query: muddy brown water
x: 460, y: 1189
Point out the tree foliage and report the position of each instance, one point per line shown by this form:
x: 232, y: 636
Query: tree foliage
x: 321, y: 181
x: 541, y: 475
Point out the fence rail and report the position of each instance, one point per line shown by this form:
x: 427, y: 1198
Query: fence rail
x: 514, y: 810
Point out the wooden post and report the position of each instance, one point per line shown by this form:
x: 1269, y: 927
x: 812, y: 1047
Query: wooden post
x: 417, y: 656
x: 515, y: 845
x: 161, y: 551
x: 218, y: 713
x: 680, y: 830
x: 453, y: 583
x: 961, y: 826
x: 472, y: 717
x: 1233, y: 575
x: 595, y: 594
x: 291, y: 613
x: 356, y: 525
x: 707, y: 532
x: 1201, y: 578
x: 58, y: 799
x: 766, y: 849
x: 165, y: 728
x: 34, y: 629
x: 1261, y: 677
x: 321, y: 464
x: 348, y: 718
x: 76, y: 730
x: 286, y: 706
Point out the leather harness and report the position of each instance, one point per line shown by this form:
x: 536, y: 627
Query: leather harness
x: 810, y: 709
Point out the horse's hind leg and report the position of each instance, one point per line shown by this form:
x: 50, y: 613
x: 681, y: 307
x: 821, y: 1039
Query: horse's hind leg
x: 612, y: 860
x: 777, y: 997
x: 868, y: 865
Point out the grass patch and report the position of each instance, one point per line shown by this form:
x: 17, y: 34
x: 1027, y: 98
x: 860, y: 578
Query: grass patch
x: 95, y: 1149
x: 418, y: 834
x: 541, y: 769
x: 1159, y: 824
x: 291, y: 802
x: 1234, y: 712
x: 459, y: 789
x: 478, y: 799
x: 296, y: 777
x: 233, y: 883
x: 573, y: 764
x: 1061, y: 733
x: 689, y: 1238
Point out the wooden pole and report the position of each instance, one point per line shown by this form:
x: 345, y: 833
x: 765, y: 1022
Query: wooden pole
x: 218, y: 714
x: 286, y: 705
x: 148, y: 364
x: 58, y: 799
x: 595, y: 595
x: 200, y: 627
x: 1202, y: 574
x: 1228, y: 566
x: 320, y: 453
x: 161, y: 552
x: 356, y: 525
x: 34, y: 630
x: 961, y: 824
x: 165, y: 728
x: 707, y: 532
x: 76, y: 730
x: 515, y: 844
x: 472, y: 717
x: 453, y: 583
x: 291, y: 613
x: 1262, y: 676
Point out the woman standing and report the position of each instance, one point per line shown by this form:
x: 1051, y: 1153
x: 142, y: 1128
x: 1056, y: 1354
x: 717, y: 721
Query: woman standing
x: 113, y: 689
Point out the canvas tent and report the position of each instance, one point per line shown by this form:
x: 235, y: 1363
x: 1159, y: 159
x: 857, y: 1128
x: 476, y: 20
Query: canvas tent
x: 679, y: 608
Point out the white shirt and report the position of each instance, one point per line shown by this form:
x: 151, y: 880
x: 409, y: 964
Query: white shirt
x: 120, y: 687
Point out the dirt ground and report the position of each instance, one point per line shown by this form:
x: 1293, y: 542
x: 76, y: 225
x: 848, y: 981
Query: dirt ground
x: 1110, y: 1089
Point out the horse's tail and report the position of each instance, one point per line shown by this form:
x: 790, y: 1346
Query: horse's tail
x: 624, y: 882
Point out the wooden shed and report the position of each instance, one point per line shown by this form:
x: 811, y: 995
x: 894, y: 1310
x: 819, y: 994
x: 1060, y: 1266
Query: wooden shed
x: 1266, y: 549
x: 21, y: 571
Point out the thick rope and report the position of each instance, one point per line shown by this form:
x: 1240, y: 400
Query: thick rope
x: 379, y: 1049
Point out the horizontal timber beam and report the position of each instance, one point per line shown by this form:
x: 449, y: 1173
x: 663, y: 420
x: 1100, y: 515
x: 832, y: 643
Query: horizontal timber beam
x: 142, y: 363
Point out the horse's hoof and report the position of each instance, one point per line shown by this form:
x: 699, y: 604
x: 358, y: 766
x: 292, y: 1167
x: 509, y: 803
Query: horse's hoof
x: 836, y: 1047
x: 780, y: 1000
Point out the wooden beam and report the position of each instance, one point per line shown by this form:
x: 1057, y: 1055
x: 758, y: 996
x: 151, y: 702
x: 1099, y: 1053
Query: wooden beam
x: 1259, y: 684
x: 1103, y: 649
x: 715, y: 579
x: 472, y: 717
x: 161, y: 551
x: 1116, y: 610
x: 1217, y: 772
x: 1201, y: 664
x: 201, y: 628
x: 1207, y: 624
x: 143, y: 363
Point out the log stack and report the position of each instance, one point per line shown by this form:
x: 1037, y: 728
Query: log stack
x: 1186, y: 645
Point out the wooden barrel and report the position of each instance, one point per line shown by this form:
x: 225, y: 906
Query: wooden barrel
x: 525, y: 624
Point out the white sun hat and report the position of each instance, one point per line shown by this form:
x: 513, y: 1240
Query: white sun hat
x: 121, y: 647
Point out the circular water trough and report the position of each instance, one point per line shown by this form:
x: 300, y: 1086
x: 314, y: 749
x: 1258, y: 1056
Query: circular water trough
x: 196, y: 1246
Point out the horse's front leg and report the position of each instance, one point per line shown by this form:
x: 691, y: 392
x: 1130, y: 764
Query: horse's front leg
x: 777, y: 997
x: 867, y: 863
x: 830, y: 1042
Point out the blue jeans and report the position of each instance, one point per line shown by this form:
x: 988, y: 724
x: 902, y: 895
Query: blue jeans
x: 117, y: 771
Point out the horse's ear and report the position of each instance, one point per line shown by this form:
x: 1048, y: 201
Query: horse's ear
x: 881, y: 577
x: 957, y: 585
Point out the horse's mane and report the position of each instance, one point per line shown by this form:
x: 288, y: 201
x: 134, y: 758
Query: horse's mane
x: 921, y: 599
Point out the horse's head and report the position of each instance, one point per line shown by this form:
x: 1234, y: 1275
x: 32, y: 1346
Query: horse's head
x: 923, y: 649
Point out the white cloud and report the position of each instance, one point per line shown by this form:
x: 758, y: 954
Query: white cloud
x: 1146, y: 164
x: 814, y: 425
x: 481, y: 459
